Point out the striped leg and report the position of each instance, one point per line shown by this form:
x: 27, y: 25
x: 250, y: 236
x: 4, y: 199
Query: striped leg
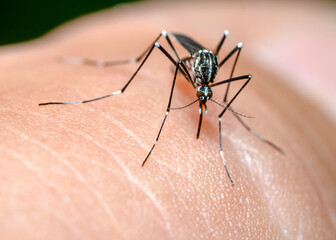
x: 248, y: 77
x: 167, y: 112
x: 156, y: 44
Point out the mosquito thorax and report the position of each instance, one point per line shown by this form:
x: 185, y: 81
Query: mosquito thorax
x: 204, y: 93
x: 205, y: 67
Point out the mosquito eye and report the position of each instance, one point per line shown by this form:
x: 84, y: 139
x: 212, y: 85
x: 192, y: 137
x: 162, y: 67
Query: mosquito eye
x: 200, y: 93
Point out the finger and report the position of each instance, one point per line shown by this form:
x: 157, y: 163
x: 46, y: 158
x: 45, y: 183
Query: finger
x: 79, y: 167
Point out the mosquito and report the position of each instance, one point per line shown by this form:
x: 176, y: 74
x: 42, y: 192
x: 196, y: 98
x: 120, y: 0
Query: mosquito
x: 199, y: 69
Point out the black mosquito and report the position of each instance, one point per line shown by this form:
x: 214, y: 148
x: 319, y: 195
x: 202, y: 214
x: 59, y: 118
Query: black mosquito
x: 199, y: 69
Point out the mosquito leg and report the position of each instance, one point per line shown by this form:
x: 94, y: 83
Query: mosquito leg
x: 98, y: 63
x: 167, y: 112
x: 221, y: 151
x: 257, y: 135
x: 237, y: 48
x: 220, y: 126
x: 182, y: 66
x: 185, y: 61
x: 231, y: 80
x: 156, y: 44
x: 92, y: 62
x: 86, y: 61
x: 101, y: 63
x: 226, y: 32
x: 85, y: 101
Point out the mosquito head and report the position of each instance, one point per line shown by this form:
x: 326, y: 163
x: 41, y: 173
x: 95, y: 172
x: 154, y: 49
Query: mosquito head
x: 204, y: 93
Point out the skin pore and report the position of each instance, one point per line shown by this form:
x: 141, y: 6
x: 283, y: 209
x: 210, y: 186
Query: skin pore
x: 74, y: 171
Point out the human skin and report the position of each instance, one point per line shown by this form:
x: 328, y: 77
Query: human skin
x: 74, y: 171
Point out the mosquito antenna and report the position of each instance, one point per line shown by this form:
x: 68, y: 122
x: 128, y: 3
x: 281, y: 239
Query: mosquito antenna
x: 176, y: 108
x: 231, y: 110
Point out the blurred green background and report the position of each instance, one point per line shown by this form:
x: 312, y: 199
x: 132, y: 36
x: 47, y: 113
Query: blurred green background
x: 25, y: 20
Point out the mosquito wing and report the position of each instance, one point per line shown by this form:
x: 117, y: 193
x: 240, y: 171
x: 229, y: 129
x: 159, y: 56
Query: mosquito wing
x: 189, y: 44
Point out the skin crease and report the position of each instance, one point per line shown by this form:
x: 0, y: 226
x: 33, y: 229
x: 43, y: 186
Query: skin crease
x: 74, y: 172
